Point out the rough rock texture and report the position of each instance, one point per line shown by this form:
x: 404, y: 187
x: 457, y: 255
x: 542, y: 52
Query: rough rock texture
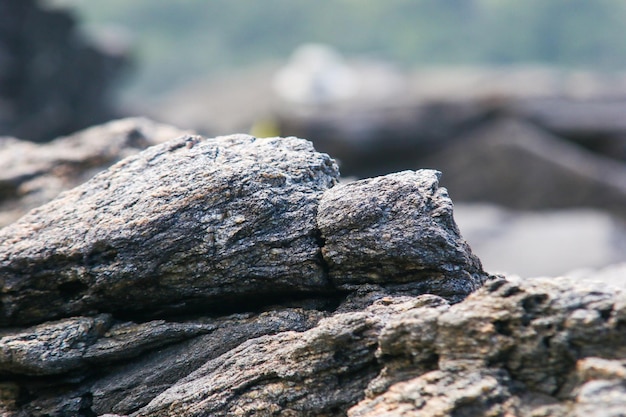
x: 550, y: 347
x: 206, y: 277
x: 33, y: 174
x: 53, y: 80
x: 231, y: 276
x: 191, y: 222
x: 360, y: 221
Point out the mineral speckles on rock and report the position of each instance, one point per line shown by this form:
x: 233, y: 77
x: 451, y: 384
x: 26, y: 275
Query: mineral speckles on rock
x: 397, y: 229
x: 229, y: 217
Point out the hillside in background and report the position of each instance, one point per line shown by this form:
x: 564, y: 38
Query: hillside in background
x: 178, y: 41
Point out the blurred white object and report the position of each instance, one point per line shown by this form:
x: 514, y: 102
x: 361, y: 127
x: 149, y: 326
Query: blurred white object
x: 547, y: 243
x: 315, y: 74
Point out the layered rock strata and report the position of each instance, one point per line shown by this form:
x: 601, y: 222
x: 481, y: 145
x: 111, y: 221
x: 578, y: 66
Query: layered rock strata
x: 234, y: 276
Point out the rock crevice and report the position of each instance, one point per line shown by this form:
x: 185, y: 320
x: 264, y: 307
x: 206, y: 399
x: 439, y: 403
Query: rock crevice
x: 224, y: 276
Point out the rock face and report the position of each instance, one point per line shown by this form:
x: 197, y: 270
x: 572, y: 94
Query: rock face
x: 187, y: 222
x: 232, y: 276
x: 552, y: 347
x: 143, y: 289
x: 360, y: 223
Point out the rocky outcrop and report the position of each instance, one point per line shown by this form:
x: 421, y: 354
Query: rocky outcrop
x: 187, y: 223
x: 33, y: 174
x: 234, y: 276
x: 120, y: 289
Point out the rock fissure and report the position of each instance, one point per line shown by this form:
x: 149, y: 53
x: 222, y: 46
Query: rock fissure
x: 236, y: 276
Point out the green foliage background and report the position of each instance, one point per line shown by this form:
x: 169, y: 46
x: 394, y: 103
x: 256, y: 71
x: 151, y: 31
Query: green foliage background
x: 180, y: 39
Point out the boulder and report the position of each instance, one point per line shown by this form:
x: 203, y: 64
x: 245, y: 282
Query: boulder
x: 191, y: 223
x: 213, y: 276
x: 396, y: 229
x: 234, y: 276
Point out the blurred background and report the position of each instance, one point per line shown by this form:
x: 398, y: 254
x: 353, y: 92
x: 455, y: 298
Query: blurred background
x: 521, y: 105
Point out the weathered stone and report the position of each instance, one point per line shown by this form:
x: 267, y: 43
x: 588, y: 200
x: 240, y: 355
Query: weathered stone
x: 397, y: 229
x: 319, y: 372
x: 523, y: 347
x: 123, y: 384
x: 33, y: 174
x: 226, y: 277
x: 440, y: 393
x: 191, y: 223
x: 65, y: 345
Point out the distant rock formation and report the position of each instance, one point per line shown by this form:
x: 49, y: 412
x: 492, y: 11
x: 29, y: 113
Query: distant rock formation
x: 33, y: 174
x: 53, y: 81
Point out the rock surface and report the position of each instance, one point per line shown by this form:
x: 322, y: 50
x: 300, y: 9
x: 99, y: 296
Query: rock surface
x: 360, y: 221
x: 232, y: 276
x: 33, y: 174
x: 552, y: 347
x: 125, y: 282
x: 189, y: 223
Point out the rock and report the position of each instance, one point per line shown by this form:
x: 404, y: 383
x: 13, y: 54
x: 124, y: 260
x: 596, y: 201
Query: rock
x: 519, y: 166
x: 544, y: 346
x: 191, y: 223
x: 234, y: 276
x: 127, y: 384
x: 65, y: 345
x: 397, y: 229
x: 53, y: 80
x: 33, y: 174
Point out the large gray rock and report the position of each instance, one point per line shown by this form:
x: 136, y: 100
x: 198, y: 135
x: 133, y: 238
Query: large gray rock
x: 66, y: 345
x: 318, y: 372
x: 190, y: 223
x: 218, y: 277
x: 397, y: 229
x: 549, y: 346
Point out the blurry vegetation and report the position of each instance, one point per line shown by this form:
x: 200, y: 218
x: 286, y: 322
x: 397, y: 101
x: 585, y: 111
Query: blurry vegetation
x: 177, y: 40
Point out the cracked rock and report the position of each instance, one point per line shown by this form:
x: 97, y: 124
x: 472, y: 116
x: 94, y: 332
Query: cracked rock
x: 232, y: 276
x: 187, y: 224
